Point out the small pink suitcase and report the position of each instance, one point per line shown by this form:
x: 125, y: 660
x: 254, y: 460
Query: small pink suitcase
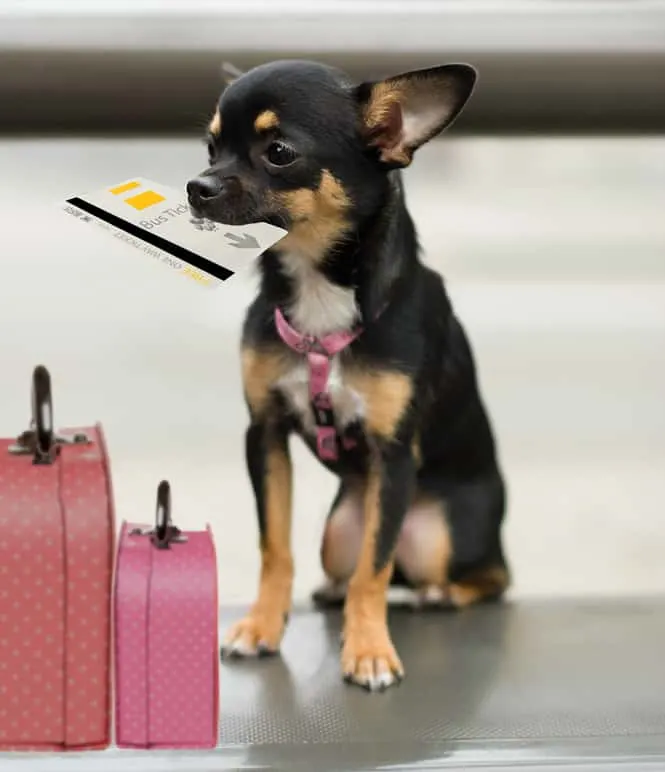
x: 56, y: 562
x: 166, y: 635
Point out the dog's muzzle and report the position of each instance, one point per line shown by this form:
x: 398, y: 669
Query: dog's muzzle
x: 222, y: 199
x: 210, y: 190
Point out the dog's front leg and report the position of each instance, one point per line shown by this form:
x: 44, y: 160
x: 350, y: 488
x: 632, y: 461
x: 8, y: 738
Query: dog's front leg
x: 369, y: 658
x: 269, y: 465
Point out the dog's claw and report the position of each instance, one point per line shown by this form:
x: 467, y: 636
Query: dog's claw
x: 263, y: 650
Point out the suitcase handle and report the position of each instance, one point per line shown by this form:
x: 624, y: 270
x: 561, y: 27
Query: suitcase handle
x: 42, y: 415
x: 165, y: 532
x: 163, y: 511
x: 40, y: 440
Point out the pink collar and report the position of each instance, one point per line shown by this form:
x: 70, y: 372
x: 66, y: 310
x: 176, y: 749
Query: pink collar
x: 319, y: 352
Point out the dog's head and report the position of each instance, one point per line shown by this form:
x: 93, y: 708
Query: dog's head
x: 296, y: 144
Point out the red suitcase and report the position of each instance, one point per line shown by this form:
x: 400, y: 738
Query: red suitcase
x: 56, y: 559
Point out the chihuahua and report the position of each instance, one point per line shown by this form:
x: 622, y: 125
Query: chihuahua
x: 352, y: 343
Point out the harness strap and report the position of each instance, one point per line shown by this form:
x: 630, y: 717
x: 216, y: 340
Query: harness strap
x: 319, y: 353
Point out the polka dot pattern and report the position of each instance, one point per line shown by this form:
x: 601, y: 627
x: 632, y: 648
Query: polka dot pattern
x: 167, y: 662
x: 89, y: 528
x: 56, y: 542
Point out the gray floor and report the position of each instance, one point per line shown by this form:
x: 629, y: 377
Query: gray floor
x: 536, y: 685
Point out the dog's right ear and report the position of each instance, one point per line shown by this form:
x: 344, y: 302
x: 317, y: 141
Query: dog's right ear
x: 230, y: 73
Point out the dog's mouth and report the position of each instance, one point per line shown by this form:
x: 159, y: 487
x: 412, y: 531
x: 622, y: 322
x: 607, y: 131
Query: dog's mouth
x: 210, y: 221
x: 243, y: 211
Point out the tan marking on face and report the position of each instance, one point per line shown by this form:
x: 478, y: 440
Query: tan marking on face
x: 215, y: 126
x: 319, y: 217
x: 261, y: 368
x: 368, y: 649
x: 484, y: 584
x: 265, y: 121
x: 387, y: 395
x: 264, y: 625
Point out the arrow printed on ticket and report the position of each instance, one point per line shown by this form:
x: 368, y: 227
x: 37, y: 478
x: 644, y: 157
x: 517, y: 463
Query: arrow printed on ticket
x: 156, y: 220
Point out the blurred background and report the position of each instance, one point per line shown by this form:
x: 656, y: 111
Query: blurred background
x: 544, y: 207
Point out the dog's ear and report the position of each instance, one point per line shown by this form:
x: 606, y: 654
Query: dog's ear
x: 230, y: 73
x: 400, y: 114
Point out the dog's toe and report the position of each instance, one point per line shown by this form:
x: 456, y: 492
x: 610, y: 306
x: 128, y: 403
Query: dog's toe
x: 371, y: 664
x: 255, y: 635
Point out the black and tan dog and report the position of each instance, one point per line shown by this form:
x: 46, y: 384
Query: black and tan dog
x: 352, y: 343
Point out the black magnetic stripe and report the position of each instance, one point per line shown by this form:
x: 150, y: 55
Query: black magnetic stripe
x: 153, y: 239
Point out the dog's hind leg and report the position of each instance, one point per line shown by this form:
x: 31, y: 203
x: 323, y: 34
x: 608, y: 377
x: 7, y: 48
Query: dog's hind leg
x: 449, y: 548
x: 340, y: 546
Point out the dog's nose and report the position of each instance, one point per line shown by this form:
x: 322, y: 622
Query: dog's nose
x: 202, y: 190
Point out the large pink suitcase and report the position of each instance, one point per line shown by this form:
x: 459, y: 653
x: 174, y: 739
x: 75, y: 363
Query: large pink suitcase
x: 56, y: 560
x: 166, y: 645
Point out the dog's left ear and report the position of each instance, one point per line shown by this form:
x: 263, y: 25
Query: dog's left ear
x: 230, y: 73
x: 401, y: 113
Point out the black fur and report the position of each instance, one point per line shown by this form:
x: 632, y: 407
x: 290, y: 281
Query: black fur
x: 408, y: 322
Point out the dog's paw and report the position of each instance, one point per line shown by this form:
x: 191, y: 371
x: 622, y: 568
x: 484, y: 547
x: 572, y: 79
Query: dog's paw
x: 256, y: 635
x: 370, y: 660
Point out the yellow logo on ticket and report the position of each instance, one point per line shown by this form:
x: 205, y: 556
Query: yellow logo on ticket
x: 139, y: 201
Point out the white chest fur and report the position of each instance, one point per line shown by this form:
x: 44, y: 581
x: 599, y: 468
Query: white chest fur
x: 318, y: 308
x: 348, y: 405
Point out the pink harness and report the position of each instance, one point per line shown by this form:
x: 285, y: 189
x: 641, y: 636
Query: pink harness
x: 319, y: 353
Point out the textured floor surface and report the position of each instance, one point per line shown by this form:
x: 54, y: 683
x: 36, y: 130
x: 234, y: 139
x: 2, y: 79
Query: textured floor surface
x: 575, y: 684
x: 554, y: 251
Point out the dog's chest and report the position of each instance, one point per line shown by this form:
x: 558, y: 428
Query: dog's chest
x: 348, y: 404
x: 318, y: 307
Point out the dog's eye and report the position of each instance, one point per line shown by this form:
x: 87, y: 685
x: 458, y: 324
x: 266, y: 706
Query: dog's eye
x: 212, y: 150
x: 280, y: 154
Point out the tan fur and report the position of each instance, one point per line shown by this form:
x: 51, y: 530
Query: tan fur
x: 382, y: 96
x: 264, y: 625
x: 385, y: 96
x: 319, y: 217
x: 484, y: 584
x: 265, y: 121
x: 368, y: 650
x: 386, y: 395
x: 215, y: 126
x: 261, y: 368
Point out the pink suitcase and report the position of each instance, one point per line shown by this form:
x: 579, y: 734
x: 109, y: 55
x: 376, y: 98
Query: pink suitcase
x: 56, y: 560
x: 166, y: 647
